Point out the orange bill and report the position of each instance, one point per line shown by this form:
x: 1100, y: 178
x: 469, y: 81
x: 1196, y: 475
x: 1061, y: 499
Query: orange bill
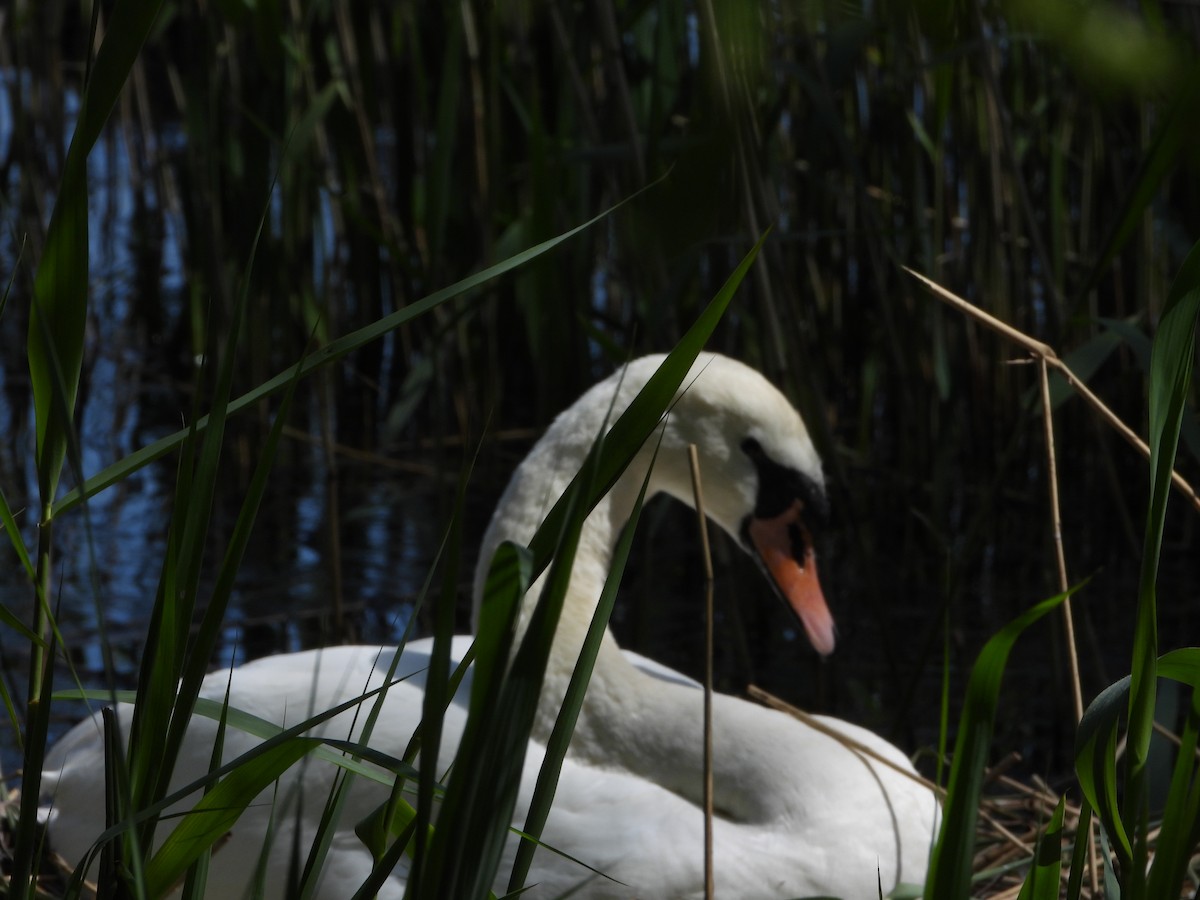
x: 795, y: 577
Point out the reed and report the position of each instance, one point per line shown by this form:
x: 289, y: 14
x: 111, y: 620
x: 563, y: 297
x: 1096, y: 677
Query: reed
x: 311, y: 174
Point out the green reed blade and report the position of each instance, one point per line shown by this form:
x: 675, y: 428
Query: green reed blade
x: 330, y: 353
x: 564, y: 725
x: 1179, y: 827
x: 217, y: 812
x: 1096, y: 743
x: 1080, y: 855
x: 57, y: 320
x: 1170, y: 385
x: 1043, y: 883
x: 951, y: 867
x: 474, y: 821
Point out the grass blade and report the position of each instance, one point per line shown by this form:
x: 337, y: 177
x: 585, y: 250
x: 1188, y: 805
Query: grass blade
x: 951, y: 868
x: 437, y: 684
x: 57, y: 320
x: 1170, y: 383
x: 1179, y: 828
x: 564, y: 725
x: 330, y: 353
x: 1079, y: 857
x: 476, y: 812
x: 634, y: 427
x: 1043, y: 880
x: 218, y: 810
x: 1096, y: 742
x: 482, y: 792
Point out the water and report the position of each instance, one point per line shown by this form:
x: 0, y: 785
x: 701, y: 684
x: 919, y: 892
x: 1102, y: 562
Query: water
x: 136, y: 389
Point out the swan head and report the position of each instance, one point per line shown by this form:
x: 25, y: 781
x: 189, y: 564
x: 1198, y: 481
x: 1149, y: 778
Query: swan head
x: 761, y: 477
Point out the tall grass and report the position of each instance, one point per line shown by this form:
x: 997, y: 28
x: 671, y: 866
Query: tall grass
x: 140, y: 764
x: 397, y: 149
x: 1115, y: 788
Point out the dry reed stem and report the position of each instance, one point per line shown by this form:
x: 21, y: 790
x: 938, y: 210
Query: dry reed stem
x: 1173, y: 737
x: 1063, y: 584
x: 1045, y: 351
x: 1046, y: 357
x: 768, y: 699
x: 1020, y: 844
x: 1056, y: 522
x: 698, y: 494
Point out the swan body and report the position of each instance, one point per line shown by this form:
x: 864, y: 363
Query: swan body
x: 797, y: 813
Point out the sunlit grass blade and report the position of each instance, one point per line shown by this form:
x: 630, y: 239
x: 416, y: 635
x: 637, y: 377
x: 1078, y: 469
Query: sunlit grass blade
x: 482, y: 790
x: 477, y: 809
x: 330, y: 353
x: 951, y: 867
x: 564, y: 725
x: 1042, y: 883
x: 632, y: 429
x: 1080, y: 856
x: 1096, y: 742
x: 1179, y: 828
x: 218, y: 810
x: 57, y: 320
x: 1170, y: 385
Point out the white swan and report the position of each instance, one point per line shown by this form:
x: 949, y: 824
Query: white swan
x: 798, y: 814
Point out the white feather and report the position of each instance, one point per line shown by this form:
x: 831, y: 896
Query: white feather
x: 798, y: 813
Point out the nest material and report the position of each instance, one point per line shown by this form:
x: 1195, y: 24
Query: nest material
x: 1012, y: 816
x: 54, y: 872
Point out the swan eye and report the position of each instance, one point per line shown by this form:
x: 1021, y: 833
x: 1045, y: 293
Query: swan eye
x: 752, y: 448
x: 799, y: 537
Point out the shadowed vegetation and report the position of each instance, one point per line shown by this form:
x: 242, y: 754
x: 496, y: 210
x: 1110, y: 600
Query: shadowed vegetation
x: 1033, y: 157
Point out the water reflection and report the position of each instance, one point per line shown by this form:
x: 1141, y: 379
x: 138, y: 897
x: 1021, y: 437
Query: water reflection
x: 375, y: 552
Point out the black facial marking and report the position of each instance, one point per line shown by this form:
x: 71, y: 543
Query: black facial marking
x: 780, y: 486
x: 800, y: 540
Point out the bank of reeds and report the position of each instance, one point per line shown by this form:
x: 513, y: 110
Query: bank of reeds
x: 323, y: 169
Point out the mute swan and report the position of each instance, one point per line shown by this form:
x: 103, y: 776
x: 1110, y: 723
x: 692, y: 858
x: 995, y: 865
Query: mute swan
x: 798, y: 814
